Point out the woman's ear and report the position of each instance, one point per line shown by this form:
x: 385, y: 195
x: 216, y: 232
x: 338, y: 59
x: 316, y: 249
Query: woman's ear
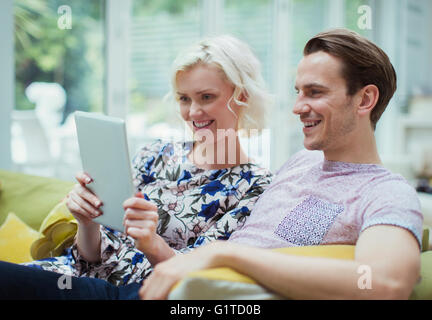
x: 369, y: 97
x: 243, y: 97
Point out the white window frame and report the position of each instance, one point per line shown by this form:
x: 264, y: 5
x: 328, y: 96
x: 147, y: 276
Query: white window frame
x: 7, y: 81
x: 212, y: 12
x: 386, y: 17
x: 117, y: 32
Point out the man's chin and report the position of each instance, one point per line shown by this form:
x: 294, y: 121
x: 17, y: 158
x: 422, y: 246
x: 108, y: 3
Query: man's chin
x: 312, y: 146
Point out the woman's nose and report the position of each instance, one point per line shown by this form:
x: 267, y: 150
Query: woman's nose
x: 195, y: 109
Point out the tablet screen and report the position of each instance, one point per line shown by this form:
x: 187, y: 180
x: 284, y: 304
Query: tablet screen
x: 105, y: 157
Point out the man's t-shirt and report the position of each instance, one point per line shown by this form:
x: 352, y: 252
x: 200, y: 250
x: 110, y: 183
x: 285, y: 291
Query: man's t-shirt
x: 313, y: 201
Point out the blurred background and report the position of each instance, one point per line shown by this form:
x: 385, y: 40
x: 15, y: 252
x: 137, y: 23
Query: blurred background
x: 114, y: 57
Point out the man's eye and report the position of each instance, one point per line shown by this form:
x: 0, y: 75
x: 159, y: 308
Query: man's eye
x: 315, y: 92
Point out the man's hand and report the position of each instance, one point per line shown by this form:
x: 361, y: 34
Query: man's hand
x: 166, y: 274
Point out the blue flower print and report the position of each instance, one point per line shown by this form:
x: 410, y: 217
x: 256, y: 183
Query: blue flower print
x: 184, y: 176
x: 199, y: 241
x: 33, y: 265
x: 137, y: 258
x: 224, y: 236
x: 48, y: 259
x: 162, y: 150
x: 212, y: 188
x: 217, y: 173
x: 243, y: 210
x: 209, y: 210
x: 126, y: 278
x: 148, y: 178
x: 149, y: 163
x: 247, y: 175
x: 167, y: 150
x: 230, y: 190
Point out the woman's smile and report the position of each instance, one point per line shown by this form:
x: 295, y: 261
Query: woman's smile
x: 198, y: 125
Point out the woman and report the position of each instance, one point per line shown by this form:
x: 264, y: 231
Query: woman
x: 188, y: 194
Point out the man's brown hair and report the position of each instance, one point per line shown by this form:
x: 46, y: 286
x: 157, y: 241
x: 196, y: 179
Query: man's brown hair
x: 364, y: 63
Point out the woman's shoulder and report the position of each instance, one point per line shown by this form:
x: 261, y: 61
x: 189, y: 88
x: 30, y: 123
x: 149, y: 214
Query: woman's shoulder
x: 162, y: 155
x: 166, y: 149
x: 254, y: 169
x: 248, y: 175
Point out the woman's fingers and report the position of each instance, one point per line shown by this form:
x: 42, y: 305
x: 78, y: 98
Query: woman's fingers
x: 81, y: 189
x: 87, y: 195
x: 77, y: 211
x: 85, y: 207
x: 141, y: 234
x: 134, y: 214
x: 140, y: 229
x: 83, y: 178
x: 139, y: 203
x: 141, y: 224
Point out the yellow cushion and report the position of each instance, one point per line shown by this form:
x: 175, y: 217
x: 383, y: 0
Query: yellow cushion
x: 227, y: 274
x: 58, y: 229
x: 16, y: 237
x: 229, y: 284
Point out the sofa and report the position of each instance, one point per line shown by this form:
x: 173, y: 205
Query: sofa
x: 35, y: 223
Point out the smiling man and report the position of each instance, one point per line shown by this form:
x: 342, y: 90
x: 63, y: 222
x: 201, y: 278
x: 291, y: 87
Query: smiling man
x: 334, y: 192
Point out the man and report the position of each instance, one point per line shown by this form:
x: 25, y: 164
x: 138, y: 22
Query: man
x: 335, y: 192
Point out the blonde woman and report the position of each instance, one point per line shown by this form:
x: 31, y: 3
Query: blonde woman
x: 188, y: 194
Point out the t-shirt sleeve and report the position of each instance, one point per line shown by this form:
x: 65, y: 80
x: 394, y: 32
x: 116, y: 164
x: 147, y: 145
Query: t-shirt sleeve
x: 396, y: 204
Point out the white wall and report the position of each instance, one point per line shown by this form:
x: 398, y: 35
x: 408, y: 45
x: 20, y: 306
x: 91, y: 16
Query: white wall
x: 403, y: 29
x: 429, y: 56
x: 6, y: 81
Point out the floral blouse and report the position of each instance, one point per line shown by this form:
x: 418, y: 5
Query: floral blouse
x: 195, y: 206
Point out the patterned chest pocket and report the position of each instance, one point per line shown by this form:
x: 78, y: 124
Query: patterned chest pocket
x: 308, y: 222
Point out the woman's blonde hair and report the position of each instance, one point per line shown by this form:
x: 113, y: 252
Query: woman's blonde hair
x: 240, y: 67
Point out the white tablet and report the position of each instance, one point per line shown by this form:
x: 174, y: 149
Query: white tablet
x: 105, y: 157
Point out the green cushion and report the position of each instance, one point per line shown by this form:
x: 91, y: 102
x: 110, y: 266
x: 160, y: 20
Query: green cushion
x: 31, y: 198
x: 423, y: 290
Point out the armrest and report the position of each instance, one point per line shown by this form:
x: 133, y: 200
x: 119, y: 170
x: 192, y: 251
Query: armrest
x: 228, y: 284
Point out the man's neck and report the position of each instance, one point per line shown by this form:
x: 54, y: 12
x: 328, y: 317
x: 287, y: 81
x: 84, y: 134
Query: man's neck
x: 360, y: 148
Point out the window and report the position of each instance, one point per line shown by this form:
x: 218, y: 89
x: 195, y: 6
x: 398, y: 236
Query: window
x: 59, y: 68
x: 159, y: 30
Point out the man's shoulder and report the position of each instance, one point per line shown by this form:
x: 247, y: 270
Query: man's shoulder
x: 394, y: 183
x: 390, y: 189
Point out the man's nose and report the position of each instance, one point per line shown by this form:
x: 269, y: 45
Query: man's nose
x: 301, y: 106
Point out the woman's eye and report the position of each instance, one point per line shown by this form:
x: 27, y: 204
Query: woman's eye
x: 206, y: 96
x: 183, y: 99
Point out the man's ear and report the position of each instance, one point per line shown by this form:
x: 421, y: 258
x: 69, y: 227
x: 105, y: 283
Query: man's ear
x: 369, y: 97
